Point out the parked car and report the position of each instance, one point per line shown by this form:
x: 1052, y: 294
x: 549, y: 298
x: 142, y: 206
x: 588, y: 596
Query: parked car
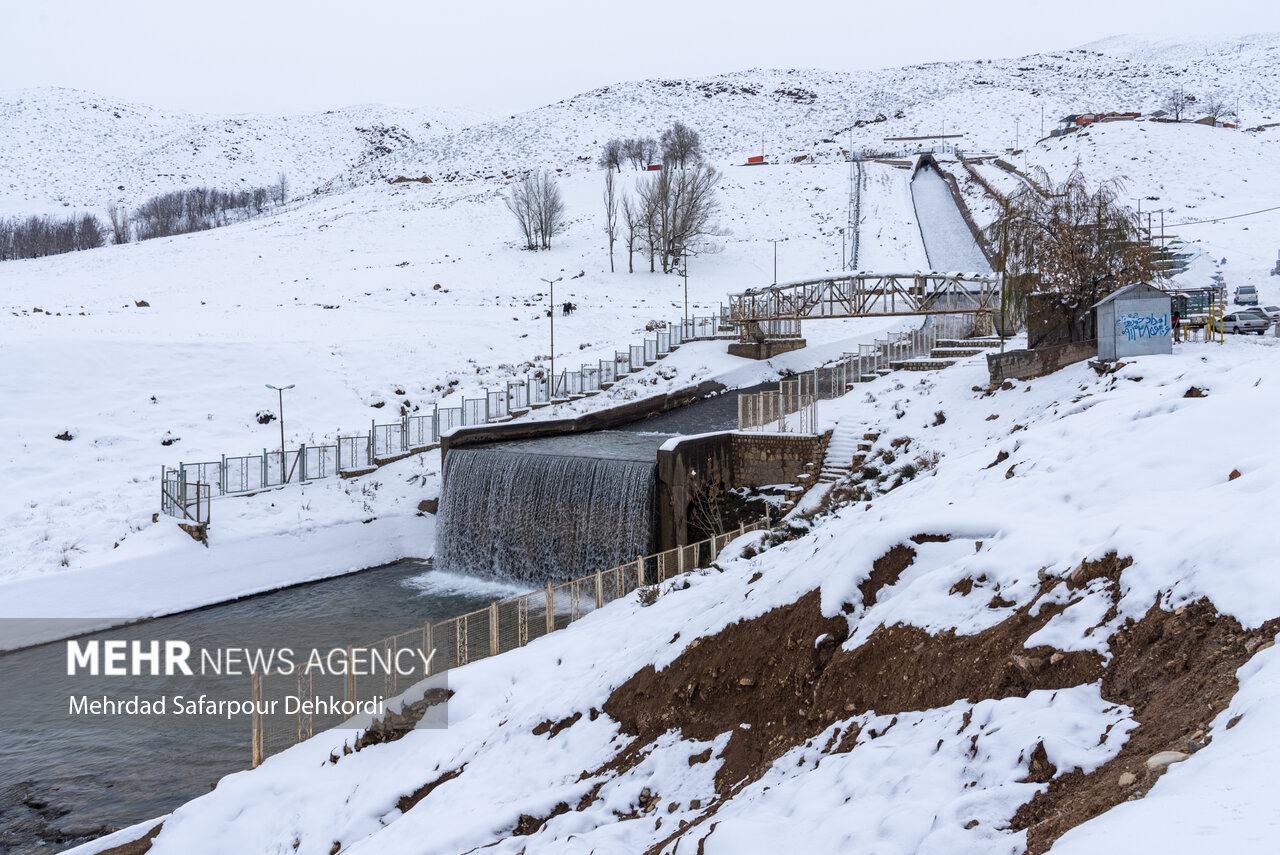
x: 1271, y: 313
x: 1246, y: 295
x: 1243, y: 322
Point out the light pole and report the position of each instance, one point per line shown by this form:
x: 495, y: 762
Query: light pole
x: 842, y: 262
x: 552, y: 282
x: 685, y: 272
x: 775, y: 243
x: 284, y: 473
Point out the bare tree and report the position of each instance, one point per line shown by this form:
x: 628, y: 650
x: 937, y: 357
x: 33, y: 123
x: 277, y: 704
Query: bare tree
x: 1073, y: 244
x: 1175, y: 103
x: 520, y: 202
x: 119, y: 220
x: 678, y: 208
x: 1215, y: 106
x: 539, y: 209
x: 611, y: 156
x: 648, y: 148
x: 551, y: 211
x: 640, y: 151
x: 631, y: 219
x: 681, y: 145
x: 610, y: 213
x: 282, y: 189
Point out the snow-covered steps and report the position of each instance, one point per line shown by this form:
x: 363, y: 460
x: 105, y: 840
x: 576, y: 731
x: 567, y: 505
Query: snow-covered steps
x: 922, y: 364
x: 844, y: 444
x: 954, y: 352
x: 967, y: 343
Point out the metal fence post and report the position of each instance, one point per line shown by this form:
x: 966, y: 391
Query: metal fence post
x: 551, y: 608
x: 427, y: 643
x: 351, y: 675
x: 493, y: 627
x: 255, y: 734
x: 222, y: 477
x: 264, y: 467
x: 373, y: 442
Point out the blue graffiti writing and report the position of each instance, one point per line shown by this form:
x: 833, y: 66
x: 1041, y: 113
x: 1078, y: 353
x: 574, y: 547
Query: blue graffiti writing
x: 1135, y: 326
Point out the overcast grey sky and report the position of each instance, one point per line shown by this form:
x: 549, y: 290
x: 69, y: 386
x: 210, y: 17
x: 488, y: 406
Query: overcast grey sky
x: 501, y: 57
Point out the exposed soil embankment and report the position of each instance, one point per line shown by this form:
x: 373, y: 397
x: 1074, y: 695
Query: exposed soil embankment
x: 785, y: 675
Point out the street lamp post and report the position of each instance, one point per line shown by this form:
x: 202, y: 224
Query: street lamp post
x: 685, y: 273
x: 775, y: 258
x: 552, y: 282
x: 284, y: 473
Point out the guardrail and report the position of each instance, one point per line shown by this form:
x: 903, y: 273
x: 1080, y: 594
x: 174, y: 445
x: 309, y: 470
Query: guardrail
x: 447, y: 644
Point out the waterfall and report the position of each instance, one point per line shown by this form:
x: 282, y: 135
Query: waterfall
x: 535, y: 517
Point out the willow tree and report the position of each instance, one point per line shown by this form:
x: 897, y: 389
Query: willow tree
x: 1072, y: 243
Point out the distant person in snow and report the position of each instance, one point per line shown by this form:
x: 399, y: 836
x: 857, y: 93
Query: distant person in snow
x: 1177, y: 330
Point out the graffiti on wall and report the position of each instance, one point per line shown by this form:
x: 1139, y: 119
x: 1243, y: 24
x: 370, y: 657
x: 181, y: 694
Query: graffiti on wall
x: 1136, y: 326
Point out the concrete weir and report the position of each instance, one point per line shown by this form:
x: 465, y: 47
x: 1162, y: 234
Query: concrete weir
x: 553, y: 499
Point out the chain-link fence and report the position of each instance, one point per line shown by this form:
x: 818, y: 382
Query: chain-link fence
x: 305, y: 703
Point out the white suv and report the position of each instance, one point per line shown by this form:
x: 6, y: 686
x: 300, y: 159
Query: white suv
x: 1246, y: 295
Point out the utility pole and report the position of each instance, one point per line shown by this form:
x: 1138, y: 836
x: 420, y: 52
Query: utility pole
x: 775, y: 258
x: 842, y: 261
x: 284, y: 472
x: 1016, y: 131
x: 552, y: 282
x: 1041, y: 121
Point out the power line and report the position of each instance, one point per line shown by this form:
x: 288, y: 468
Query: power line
x: 1220, y: 219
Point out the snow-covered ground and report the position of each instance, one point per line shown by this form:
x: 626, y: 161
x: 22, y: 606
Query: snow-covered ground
x: 1116, y: 462
x: 376, y: 298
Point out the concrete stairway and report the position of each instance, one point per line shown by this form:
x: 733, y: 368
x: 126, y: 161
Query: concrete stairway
x: 838, y: 462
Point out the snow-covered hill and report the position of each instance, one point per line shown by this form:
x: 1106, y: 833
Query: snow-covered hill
x: 64, y: 148
x: 806, y: 112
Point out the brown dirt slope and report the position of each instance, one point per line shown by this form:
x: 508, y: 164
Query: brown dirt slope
x: 1177, y: 670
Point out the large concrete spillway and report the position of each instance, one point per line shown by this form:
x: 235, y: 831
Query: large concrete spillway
x: 948, y: 240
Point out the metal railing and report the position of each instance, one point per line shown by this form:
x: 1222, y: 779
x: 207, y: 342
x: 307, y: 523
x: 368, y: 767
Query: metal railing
x: 358, y: 452
x: 788, y: 410
x: 447, y: 644
x: 187, y: 500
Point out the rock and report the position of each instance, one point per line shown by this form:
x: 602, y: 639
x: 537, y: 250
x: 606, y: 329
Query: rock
x: 1056, y: 658
x: 1254, y: 645
x: 1235, y: 473
x: 429, y: 506
x: 1027, y: 664
x: 746, y: 682
x: 1128, y: 779
x: 142, y: 304
x: 1163, y: 760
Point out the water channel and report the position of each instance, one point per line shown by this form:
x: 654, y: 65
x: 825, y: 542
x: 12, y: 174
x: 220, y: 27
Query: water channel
x: 67, y: 778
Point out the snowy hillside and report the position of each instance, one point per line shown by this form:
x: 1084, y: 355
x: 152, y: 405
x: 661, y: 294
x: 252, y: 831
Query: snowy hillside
x: 810, y: 112
x: 1049, y: 619
x: 66, y: 148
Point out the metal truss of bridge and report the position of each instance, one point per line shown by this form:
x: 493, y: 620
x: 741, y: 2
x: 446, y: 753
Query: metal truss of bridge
x: 861, y: 295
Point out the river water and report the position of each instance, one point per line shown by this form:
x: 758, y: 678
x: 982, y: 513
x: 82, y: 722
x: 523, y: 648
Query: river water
x: 66, y: 777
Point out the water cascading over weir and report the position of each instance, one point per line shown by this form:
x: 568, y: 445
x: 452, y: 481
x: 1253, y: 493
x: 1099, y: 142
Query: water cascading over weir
x: 548, y: 509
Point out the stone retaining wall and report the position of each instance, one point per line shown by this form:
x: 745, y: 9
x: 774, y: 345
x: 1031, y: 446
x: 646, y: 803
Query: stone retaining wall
x: 1026, y: 364
x: 742, y: 459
